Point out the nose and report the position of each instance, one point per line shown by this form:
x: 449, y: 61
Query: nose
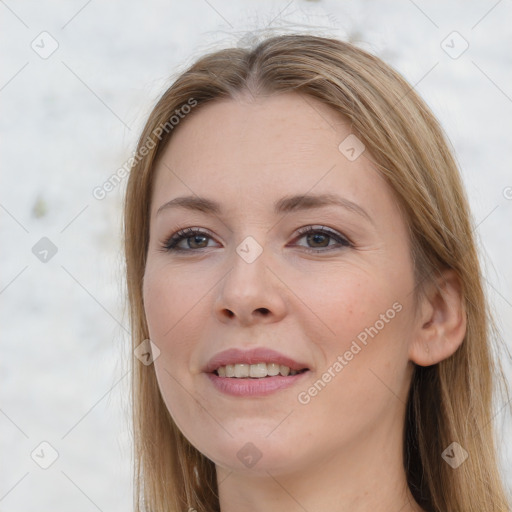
x: 251, y: 292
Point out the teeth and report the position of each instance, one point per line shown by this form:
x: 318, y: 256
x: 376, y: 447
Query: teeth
x: 242, y: 370
x: 272, y: 369
x: 256, y: 371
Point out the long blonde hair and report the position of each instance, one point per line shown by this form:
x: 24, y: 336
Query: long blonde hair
x: 448, y: 402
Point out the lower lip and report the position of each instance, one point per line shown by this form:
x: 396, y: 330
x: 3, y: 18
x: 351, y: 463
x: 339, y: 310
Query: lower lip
x: 254, y: 387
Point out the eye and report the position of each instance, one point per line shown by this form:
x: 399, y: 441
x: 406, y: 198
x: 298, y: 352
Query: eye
x: 193, y: 238
x: 319, y: 236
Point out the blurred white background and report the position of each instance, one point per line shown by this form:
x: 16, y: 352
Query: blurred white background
x: 77, y: 80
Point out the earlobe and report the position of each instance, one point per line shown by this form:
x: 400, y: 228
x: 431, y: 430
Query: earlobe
x: 441, y: 324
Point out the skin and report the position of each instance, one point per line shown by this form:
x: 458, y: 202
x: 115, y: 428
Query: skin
x: 342, y: 450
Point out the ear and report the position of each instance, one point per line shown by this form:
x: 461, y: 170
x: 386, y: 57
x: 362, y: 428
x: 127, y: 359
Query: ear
x: 441, y: 321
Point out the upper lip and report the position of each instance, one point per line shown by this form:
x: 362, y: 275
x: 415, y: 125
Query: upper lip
x: 252, y: 356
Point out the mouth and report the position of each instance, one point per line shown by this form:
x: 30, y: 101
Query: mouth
x: 256, y: 371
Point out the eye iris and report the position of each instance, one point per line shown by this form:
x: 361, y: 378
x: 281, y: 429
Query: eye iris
x: 195, y: 238
x: 315, y: 237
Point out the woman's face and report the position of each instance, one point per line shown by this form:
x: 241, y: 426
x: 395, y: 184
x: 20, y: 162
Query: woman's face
x: 338, y: 301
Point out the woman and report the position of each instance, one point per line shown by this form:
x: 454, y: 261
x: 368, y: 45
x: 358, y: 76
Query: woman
x: 299, y: 252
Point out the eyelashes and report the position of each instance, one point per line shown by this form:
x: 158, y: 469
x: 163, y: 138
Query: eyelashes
x: 183, y: 234
x: 310, y: 231
x: 198, y: 236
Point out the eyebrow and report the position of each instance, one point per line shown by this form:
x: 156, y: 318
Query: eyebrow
x: 284, y: 205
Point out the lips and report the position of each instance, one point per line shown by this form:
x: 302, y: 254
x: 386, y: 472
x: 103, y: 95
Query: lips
x: 252, y: 356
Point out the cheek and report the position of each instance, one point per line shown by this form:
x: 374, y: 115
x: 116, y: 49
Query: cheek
x: 347, y: 300
x: 170, y: 303
x: 170, y: 295
x: 170, y: 299
x: 366, y: 323
x: 363, y: 368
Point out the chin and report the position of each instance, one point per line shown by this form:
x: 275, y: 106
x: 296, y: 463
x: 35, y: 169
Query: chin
x: 257, y: 457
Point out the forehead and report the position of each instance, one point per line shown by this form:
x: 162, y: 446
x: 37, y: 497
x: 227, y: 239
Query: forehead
x: 285, y: 125
x: 253, y: 151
